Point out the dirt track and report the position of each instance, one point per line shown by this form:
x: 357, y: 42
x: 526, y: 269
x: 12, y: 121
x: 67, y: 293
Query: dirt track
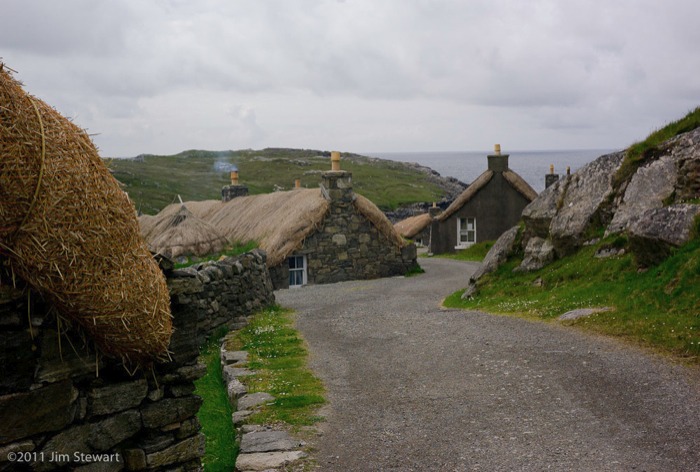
x: 413, y: 387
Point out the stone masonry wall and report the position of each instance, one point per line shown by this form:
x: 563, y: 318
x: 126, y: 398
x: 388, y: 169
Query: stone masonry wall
x: 63, y: 408
x: 350, y: 247
x: 208, y: 296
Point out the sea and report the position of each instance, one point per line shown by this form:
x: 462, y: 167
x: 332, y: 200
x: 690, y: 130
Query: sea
x: 467, y: 166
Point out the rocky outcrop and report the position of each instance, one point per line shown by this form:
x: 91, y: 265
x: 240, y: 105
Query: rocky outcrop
x: 657, y: 232
x: 538, y: 253
x: 599, y: 195
x: 583, y: 194
x: 650, y: 185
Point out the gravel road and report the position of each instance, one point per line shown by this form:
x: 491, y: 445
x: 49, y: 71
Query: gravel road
x: 413, y: 387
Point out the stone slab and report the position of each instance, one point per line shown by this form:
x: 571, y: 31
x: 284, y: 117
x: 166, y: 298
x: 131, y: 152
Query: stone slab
x: 266, y: 460
x: 581, y: 312
x: 267, y: 441
x: 253, y: 399
x: 229, y: 373
x: 239, y: 417
x: 50, y: 407
x: 117, y: 397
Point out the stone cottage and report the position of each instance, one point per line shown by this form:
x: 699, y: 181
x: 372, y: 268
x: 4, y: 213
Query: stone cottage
x: 487, y: 208
x: 312, y: 236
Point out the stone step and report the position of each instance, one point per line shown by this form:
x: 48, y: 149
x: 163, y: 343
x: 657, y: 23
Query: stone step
x: 267, y: 441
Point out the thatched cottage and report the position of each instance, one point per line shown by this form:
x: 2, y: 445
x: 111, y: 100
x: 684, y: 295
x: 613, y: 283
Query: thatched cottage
x: 487, y: 208
x: 312, y: 236
x: 417, y: 227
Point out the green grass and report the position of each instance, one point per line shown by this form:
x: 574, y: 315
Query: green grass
x: 640, y: 153
x: 155, y: 183
x: 278, y: 356
x: 234, y: 249
x: 215, y: 413
x: 477, y: 252
x: 659, y: 308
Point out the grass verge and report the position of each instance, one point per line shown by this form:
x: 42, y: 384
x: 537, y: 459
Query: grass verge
x: 278, y: 356
x: 477, y: 252
x: 215, y: 413
x: 658, y: 308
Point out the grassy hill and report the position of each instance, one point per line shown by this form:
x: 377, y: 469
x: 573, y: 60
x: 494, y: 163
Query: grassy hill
x: 154, y: 181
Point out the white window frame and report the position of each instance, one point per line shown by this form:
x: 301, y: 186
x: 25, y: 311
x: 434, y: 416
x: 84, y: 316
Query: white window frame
x: 303, y: 270
x: 465, y: 244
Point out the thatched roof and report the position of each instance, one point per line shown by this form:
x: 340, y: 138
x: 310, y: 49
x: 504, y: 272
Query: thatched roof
x: 515, y: 181
x: 278, y: 221
x: 519, y: 184
x: 413, y: 225
x: 467, y: 195
x: 184, y: 233
x: 379, y: 219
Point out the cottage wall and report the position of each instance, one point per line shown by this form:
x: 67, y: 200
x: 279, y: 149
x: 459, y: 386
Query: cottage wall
x: 57, y: 402
x: 497, y: 207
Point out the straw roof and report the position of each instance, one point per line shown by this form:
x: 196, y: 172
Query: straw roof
x: 279, y: 222
x: 378, y: 219
x: 467, y: 195
x: 515, y: 181
x: 187, y: 234
x: 519, y: 184
x: 413, y: 225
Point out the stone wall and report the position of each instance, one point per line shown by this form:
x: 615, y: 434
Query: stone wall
x: 211, y: 295
x: 64, y: 408
x: 229, y: 192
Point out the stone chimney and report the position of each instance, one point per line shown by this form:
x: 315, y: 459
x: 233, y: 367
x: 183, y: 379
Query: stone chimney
x: 498, y: 162
x: 229, y: 192
x: 550, y: 178
x: 434, y: 210
x: 336, y: 185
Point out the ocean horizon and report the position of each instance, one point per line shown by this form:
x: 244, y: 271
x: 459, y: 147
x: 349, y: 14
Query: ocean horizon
x: 468, y: 165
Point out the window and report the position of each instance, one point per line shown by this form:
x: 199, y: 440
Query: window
x: 297, y: 271
x: 466, y: 232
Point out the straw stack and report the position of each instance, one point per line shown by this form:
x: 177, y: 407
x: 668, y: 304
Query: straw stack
x: 72, y: 233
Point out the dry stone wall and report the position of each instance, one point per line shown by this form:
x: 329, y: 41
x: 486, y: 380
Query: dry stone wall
x: 64, y: 408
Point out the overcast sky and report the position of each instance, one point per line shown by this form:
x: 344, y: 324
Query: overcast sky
x: 162, y: 76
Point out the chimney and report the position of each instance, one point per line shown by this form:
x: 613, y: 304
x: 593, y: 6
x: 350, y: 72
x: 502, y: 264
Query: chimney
x: 229, y: 192
x: 550, y: 178
x: 434, y: 210
x: 336, y: 185
x: 498, y: 162
x: 297, y: 183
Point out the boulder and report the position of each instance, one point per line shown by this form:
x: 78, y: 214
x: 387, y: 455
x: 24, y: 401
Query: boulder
x: 649, y: 186
x: 583, y: 194
x: 497, y: 254
x: 538, y: 214
x: 657, y: 231
x: 538, y: 253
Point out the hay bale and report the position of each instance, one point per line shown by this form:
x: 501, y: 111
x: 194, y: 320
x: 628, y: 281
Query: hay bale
x: 71, y: 232
x: 186, y: 234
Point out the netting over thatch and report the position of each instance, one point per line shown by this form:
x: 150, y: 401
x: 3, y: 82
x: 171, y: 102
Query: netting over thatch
x: 186, y: 234
x: 519, y: 184
x: 379, y: 219
x: 72, y: 233
x: 467, y: 195
x: 413, y: 225
x: 279, y: 222
x: 153, y: 226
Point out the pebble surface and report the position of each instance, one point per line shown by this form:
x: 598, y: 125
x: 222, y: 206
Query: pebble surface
x: 413, y: 387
